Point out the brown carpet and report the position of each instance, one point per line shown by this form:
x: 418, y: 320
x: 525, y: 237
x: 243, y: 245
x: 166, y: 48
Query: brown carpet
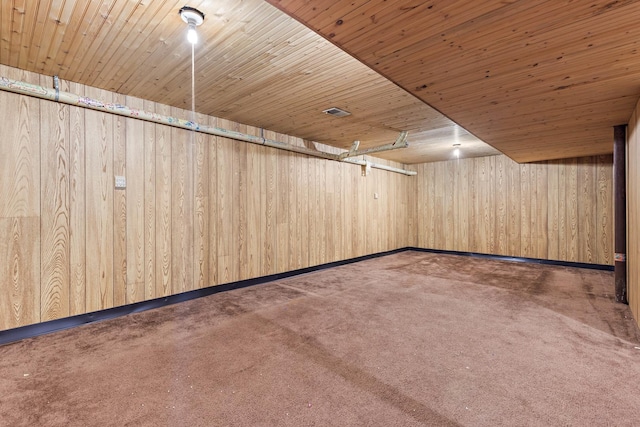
x: 407, y: 339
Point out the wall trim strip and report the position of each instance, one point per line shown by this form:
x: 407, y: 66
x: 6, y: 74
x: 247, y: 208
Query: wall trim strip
x: 604, y: 267
x: 37, y: 329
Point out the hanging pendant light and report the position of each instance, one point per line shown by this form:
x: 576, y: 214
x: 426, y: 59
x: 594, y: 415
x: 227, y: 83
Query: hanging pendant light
x: 193, y: 18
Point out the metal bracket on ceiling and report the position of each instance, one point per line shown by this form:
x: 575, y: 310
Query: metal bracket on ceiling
x: 400, y: 142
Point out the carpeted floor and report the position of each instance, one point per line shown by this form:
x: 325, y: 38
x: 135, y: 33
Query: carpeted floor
x: 407, y: 339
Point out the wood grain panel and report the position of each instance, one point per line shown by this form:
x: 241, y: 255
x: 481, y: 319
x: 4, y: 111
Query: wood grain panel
x: 562, y: 210
x: 542, y: 210
x: 490, y: 203
x: 587, y: 210
x: 373, y: 211
x: 182, y: 203
x: 119, y: 208
x: 77, y: 207
x: 571, y: 236
x: 484, y: 174
x: 338, y: 209
x: 201, y: 236
x: 332, y: 211
x: 513, y: 216
x: 213, y: 212
x: 604, y: 204
x: 255, y: 211
x: 135, y: 173
x: 525, y: 211
x: 19, y: 272
x: 304, y: 212
x: 431, y: 203
x: 163, y: 207
x: 438, y: 184
x: 240, y: 199
x: 268, y: 199
x: 383, y: 228
x: 54, y: 219
x: 19, y: 151
x: 386, y: 228
x: 501, y: 203
x: 422, y: 202
x: 292, y: 228
x: 359, y: 211
x: 464, y: 209
x: 323, y: 216
x: 349, y: 205
x: 225, y: 206
x: 449, y: 200
x: 99, y: 204
x: 151, y: 163
x: 531, y: 210
x: 553, y: 223
x: 314, y: 225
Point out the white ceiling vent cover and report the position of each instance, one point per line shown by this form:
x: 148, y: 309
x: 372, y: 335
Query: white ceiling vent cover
x: 336, y: 112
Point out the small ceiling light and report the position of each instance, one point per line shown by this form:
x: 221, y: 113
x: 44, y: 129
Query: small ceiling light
x: 456, y: 152
x: 194, y: 18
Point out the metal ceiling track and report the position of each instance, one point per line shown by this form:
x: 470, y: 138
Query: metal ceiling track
x: 56, y: 95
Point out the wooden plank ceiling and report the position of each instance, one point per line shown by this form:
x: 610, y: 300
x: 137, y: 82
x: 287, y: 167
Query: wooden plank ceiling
x: 254, y: 65
x: 537, y: 80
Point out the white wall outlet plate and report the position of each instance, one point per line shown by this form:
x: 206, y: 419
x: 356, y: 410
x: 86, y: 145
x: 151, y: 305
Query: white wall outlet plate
x: 121, y: 182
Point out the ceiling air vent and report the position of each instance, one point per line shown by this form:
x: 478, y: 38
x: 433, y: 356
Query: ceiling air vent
x: 336, y: 112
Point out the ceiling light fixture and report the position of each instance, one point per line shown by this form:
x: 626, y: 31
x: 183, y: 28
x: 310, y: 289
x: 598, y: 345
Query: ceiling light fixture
x: 194, y: 18
x: 456, y: 151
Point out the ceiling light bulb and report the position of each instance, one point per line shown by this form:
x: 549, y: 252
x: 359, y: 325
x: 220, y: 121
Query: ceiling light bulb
x: 192, y: 34
x: 193, y: 18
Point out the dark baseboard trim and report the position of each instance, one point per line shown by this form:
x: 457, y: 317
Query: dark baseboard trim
x: 29, y: 331
x: 604, y: 267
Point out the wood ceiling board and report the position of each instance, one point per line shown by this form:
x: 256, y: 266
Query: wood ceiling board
x: 556, y: 73
x: 79, y: 34
x: 6, y: 25
x: 212, y: 71
x: 167, y: 57
x: 517, y: 125
x: 26, y: 26
x: 254, y: 65
x: 153, y: 40
x: 52, y: 37
x: 427, y: 20
x: 327, y: 12
x: 143, y: 22
x: 508, y: 28
x: 519, y: 116
x: 559, y: 145
x: 487, y: 68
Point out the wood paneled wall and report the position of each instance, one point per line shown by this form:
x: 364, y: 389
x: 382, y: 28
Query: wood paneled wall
x: 633, y: 213
x: 197, y: 211
x: 200, y: 210
x: 559, y: 210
